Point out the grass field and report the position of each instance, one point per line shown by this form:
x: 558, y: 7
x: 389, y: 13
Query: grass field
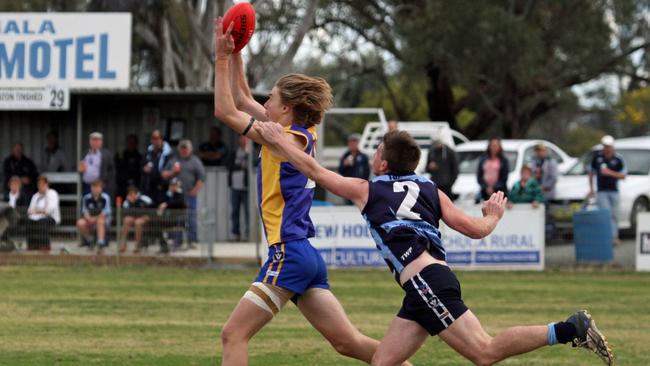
x: 58, y: 315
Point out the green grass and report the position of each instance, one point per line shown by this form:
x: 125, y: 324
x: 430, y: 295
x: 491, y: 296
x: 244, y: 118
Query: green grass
x: 58, y: 315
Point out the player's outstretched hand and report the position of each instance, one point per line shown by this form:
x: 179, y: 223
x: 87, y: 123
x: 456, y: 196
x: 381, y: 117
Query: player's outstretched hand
x: 495, y: 205
x: 224, y: 44
x: 271, y: 132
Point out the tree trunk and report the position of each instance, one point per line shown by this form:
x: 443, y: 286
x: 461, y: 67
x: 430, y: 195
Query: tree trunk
x: 440, y: 97
x: 169, y: 76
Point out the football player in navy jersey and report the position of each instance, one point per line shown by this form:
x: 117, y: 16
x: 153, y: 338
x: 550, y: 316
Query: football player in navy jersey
x: 403, y: 211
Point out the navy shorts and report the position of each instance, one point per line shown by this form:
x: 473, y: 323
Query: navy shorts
x: 432, y: 299
x: 295, y: 266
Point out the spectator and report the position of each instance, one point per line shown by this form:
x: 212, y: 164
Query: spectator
x: 354, y: 163
x: 155, y: 159
x: 17, y: 197
x: 43, y: 213
x: 191, y: 173
x: 527, y: 190
x: 53, y: 159
x: 442, y: 164
x: 20, y: 165
x: 608, y: 167
x: 213, y: 152
x: 98, y: 164
x: 135, y: 214
x: 545, y: 171
x: 492, y: 172
x: 128, y: 166
x: 18, y: 202
x: 238, y: 183
x: 392, y: 125
x: 96, y: 211
x: 170, y: 212
x: 8, y: 218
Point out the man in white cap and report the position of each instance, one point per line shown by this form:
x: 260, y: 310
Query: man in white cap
x: 97, y: 164
x: 608, y: 168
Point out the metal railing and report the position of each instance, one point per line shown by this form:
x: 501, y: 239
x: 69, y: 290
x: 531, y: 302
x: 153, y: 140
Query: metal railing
x: 174, y: 232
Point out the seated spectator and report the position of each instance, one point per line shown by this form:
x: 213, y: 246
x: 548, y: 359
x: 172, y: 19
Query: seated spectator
x: 96, y: 211
x: 8, y: 217
x: 43, y: 213
x: 171, y: 212
x: 18, y: 202
x: 135, y: 214
x: 17, y: 196
x: 527, y: 190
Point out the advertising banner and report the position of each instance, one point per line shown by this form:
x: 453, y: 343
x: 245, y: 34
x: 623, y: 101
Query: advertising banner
x: 643, y: 241
x: 343, y: 239
x: 75, y: 50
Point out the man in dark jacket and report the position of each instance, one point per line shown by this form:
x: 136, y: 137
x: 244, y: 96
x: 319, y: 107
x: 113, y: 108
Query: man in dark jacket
x: 97, y: 164
x: 155, y: 159
x: 17, y: 202
x: 354, y: 163
x: 17, y: 164
x: 442, y: 164
x: 128, y: 165
x: 238, y: 183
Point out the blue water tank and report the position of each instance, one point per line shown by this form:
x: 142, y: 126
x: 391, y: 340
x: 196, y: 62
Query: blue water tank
x: 592, y: 233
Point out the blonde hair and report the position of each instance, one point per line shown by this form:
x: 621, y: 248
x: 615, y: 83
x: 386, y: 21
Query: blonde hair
x: 309, y: 97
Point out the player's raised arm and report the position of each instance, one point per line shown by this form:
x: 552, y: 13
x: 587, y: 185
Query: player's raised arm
x: 242, y: 95
x: 224, y: 105
x: 354, y: 189
x: 474, y: 227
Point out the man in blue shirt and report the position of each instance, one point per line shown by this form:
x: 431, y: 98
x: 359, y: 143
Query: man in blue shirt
x: 608, y: 168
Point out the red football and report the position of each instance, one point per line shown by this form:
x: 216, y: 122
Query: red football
x: 243, y: 15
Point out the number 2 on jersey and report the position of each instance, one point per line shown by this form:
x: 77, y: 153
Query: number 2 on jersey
x: 404, y: 210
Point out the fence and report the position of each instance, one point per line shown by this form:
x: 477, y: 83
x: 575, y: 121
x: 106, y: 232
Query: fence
x: 142, y: 232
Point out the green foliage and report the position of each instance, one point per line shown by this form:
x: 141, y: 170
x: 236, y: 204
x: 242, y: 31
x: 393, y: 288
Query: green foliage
x: 634, y: 107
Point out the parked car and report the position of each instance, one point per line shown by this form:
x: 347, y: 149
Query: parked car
x: 518, y: 153
x: 573, y: 186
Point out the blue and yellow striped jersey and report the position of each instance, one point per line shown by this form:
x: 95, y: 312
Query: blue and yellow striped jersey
x: 285, y: 194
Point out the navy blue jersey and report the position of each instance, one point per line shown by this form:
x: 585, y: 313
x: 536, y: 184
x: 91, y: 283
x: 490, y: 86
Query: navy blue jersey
x: 616, y: 164
x: 403, y: 214
x: 96, y: 206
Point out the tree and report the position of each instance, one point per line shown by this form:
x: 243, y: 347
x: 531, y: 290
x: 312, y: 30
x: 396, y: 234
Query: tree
x: 513, y: 57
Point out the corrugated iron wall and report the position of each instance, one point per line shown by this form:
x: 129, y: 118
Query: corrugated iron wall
x: 115, y: 116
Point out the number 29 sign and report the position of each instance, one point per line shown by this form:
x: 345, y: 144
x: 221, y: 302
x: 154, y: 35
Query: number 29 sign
x: 45, y: 98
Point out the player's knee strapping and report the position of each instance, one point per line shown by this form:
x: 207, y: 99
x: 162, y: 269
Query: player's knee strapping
x: 268, y: 297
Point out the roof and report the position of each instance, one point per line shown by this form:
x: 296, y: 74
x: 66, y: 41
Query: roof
x: 138, y: 91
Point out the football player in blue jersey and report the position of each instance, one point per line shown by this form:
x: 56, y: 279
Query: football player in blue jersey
x: 294, y: 268
x: 403, y: 211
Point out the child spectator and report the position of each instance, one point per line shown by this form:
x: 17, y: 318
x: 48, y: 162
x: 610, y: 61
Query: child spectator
x: 527, y: 190
x: 171, y: 212
x: 96, y: 211
x: 135, y: 214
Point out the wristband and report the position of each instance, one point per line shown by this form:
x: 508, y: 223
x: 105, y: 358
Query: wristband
x: 250, y: 124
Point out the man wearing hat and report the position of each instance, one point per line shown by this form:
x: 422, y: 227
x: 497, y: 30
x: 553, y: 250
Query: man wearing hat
x: 608, y: 168
x: 97, y: 164
x: 354, y: 163
x: 545, y: 171
x: 190, y: 171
